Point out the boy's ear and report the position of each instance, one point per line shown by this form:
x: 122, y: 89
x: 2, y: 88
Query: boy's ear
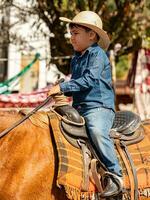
x: 92, y: 34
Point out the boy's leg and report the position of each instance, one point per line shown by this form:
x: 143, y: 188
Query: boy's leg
x: 99, y: 122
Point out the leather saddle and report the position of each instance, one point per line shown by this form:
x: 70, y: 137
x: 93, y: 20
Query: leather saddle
x: 126, y: 126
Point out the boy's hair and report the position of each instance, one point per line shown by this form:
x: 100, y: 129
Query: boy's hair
x: 72, y: 25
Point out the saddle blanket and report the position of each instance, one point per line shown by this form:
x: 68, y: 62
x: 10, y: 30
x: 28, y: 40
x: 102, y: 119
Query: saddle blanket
x: 70, y: 170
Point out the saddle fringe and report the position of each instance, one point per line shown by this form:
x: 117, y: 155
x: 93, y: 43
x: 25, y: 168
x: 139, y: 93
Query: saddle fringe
x: 144, y: 194
x: 76, y: 194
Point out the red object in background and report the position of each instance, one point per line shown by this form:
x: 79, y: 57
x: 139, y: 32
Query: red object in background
x: 147, y: 80
x: 24, y: 100
x: 147, y: 54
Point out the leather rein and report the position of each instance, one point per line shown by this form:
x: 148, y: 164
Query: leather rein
x: 7, y: 130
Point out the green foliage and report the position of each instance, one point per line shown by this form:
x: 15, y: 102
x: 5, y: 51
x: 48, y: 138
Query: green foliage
x: 122, y: 66
x: 121, y: 19
x: 125, y: 21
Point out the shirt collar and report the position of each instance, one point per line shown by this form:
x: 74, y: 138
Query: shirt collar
x: 78, y: 54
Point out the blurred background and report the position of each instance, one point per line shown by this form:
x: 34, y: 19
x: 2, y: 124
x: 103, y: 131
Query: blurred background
x: 35, y: 49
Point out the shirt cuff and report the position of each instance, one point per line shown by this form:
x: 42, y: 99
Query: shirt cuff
x: 64, y: 87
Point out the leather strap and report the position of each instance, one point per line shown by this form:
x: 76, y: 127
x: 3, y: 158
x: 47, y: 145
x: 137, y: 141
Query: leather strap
x: 96, y: 176
x: 86, y: 162
x: 136, y: 194
x: 130, y: 174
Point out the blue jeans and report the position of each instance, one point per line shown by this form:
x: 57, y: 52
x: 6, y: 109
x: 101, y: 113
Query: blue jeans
x: 99, y: 122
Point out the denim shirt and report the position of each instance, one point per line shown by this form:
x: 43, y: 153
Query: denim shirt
x: 91, y: 81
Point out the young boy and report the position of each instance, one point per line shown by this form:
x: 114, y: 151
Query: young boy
x: 91, y: 88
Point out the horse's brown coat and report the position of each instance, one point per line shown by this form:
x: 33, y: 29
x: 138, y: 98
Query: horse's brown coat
x: 27, y: 163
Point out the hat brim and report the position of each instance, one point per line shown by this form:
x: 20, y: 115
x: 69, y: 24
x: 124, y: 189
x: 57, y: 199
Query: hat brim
x: 104, y: 41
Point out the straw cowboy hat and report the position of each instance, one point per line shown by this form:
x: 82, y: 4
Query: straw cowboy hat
x: 93, y: 21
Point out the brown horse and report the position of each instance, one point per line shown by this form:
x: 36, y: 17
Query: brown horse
x: 28, y: 160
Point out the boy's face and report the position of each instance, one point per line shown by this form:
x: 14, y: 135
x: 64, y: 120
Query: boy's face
x: 80, y: 38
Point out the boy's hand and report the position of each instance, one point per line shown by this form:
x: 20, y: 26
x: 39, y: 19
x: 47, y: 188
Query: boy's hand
x: 54, y: 90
